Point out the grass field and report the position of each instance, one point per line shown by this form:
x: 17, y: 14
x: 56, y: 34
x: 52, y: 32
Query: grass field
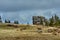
x: 8, y: 32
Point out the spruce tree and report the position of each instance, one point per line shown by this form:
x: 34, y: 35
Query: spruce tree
x: 51, y: 21
x: 16, y: 22
x: 0, y: 19
x: 56, y: 20
x: 7, y: 21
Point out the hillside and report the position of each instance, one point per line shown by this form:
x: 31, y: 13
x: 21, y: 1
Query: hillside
x: 28, y: 32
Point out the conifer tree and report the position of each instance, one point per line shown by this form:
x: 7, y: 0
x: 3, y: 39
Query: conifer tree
x: 0, y: 19
x: 7, y: 21
x: 51, y: 21
x: 16, y: 22
x: 56, y: 20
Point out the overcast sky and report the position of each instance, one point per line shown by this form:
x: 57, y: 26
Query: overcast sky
x: 23, y: 10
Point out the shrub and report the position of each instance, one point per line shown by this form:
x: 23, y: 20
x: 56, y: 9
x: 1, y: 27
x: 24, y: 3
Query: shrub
x: 23, y: 28
x: 16, y: 22
x: 50, y: 30
x: 39, y: 30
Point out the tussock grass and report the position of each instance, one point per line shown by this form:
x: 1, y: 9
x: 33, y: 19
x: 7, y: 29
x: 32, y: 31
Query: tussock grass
x: 30, y: 33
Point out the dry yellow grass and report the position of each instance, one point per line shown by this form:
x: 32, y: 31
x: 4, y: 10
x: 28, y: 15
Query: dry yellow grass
x: 18, y: 35
x: 11, y: 33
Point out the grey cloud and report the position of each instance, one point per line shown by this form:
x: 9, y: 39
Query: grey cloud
x: 18, y: 5
x: 26, y: 16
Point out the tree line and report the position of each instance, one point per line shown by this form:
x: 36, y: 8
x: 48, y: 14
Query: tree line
x: 8, y: 21
x: 53, y: 21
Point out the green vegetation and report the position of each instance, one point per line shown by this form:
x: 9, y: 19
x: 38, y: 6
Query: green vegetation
x: 16, y: 31
x: 16, y: 22
x: 0, y: 19
x: 53, y: 21
x: 7, y: 21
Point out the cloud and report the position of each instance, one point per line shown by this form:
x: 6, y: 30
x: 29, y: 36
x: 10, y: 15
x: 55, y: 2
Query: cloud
x: 26, y: 16
x: 23, y: 10
x: 18, y: 5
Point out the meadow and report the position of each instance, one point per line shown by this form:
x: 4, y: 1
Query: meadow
x: 26, y: 32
